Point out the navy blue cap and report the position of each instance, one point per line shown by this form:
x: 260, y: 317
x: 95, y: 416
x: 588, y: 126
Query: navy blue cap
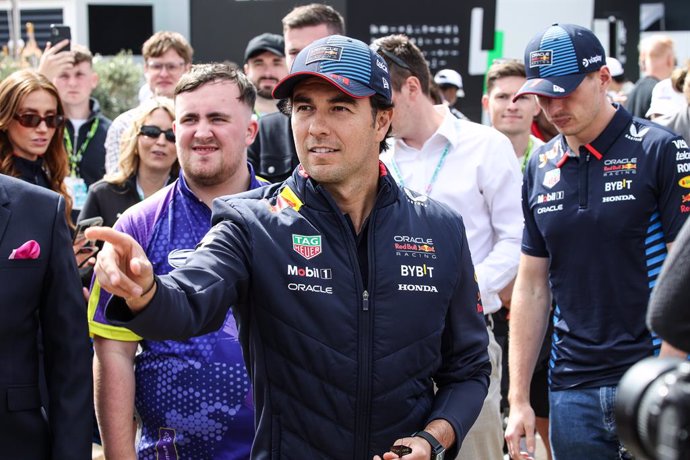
x: 345, y: 62
x: 558, y: 58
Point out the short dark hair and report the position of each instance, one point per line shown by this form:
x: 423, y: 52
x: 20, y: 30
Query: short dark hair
x: 81, y: 54
x: 402, y: 47
x: 315, y: 14
x: 200, y: 74
x: 377, y: 101
x: 380, y: 103
x: 503, y: 69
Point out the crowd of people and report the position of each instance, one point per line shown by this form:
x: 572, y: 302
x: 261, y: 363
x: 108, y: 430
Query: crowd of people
x: 315, y: 254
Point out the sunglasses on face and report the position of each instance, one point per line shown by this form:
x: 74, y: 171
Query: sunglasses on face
x: 31, y: 120
x: 154, y: 132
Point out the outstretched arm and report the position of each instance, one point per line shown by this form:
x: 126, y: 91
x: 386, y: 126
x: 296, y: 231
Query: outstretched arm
x: 122, y: 267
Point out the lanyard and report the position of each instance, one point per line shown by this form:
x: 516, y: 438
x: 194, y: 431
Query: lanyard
x: 528, y: 152
x: 75, y: 158
x: 434, y: 176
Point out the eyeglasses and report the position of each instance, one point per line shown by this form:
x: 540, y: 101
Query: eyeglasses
x: 169, y: 66
x: 31, y: 120
x: 154, y: 132
x: 376, y: 48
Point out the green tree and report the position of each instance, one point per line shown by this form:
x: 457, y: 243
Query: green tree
x: 119, y: 81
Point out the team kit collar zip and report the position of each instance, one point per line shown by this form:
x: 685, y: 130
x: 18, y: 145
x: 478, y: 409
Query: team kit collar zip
x: 364, y: 302
x: 617, y: 127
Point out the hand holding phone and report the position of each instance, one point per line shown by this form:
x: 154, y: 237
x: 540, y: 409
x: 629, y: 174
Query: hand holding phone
x: 58, y: 33
x: 85, y: 249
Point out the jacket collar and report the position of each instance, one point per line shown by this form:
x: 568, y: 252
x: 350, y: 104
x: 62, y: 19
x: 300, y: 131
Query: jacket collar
x: 317, y: 197
x: 5, y: 212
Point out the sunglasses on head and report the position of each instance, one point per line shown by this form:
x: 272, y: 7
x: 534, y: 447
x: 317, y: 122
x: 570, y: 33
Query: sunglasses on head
x: 154, y: 131
x: 376, y: 48
x: 31, y: 120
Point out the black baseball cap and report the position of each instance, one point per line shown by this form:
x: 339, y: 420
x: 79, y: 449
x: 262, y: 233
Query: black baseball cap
x: 558, y: 58
x: 272, y: 43
x: 347, y: 63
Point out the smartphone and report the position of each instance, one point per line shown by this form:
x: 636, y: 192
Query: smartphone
x: 83, y: 225
x: 59, y: 32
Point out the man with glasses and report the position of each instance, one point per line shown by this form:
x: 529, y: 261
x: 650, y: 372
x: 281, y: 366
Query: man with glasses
x: 167, y: 55
x: 472, y: 169
x: 353, y: 296
x: 193, y: 397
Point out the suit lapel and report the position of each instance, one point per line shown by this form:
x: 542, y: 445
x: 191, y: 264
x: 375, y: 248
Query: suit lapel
x: 4, y: 209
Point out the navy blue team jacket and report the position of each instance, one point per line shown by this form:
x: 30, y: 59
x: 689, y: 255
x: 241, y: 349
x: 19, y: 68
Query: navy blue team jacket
x: 340, y: 369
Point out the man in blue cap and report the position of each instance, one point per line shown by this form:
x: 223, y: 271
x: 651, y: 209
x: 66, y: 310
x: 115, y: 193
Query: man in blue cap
x: 602, y: 203
x: 353, y: 296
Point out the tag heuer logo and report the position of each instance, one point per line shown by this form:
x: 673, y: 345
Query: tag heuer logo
x: 307, y: 246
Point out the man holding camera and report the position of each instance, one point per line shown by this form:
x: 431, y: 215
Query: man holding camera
x: 602, y: 202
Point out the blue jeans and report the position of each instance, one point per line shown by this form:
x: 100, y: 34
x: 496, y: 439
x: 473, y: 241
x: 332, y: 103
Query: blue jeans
x: 582, y: 425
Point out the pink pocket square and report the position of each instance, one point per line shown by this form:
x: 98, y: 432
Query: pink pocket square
x: 29, y: 250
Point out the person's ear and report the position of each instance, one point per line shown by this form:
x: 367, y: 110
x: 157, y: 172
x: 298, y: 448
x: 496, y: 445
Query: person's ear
x: 485, y: 102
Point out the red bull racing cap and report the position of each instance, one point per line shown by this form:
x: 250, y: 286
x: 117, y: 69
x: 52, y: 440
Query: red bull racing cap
x: 345, y: 62
x: 558, y: 58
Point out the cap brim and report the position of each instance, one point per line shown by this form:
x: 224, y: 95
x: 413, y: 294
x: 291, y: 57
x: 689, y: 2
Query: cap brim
x: 263, y: 49
x: 555, y: 87
x: 353, y: 88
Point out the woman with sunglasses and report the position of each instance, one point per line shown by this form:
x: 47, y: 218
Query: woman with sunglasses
x: 31, y: 134
x: 148, y: 161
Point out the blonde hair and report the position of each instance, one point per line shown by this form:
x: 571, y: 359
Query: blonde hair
x: 129, y: 143
x: 13, y: 89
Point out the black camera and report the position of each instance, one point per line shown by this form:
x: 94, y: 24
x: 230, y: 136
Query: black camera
x: 653, y: 409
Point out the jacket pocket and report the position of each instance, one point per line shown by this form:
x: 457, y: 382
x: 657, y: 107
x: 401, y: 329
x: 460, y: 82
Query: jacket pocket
x: 22, y: 398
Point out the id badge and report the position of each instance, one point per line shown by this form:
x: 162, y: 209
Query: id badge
x: 77, y: 190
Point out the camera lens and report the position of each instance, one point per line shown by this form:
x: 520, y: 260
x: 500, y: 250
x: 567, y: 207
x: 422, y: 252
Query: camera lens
x: 652, y: 409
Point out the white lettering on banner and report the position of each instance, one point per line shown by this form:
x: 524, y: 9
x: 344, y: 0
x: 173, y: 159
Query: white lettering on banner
x: 683, y: 167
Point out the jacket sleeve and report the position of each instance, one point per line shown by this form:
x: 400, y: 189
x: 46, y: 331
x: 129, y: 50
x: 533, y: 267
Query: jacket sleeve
x: 67, y: 349
x: 194, y: 300
x: 463, y: 379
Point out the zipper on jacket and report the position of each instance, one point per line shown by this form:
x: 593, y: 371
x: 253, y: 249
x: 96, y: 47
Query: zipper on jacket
x: 365, y: 331
x: 583, y: 176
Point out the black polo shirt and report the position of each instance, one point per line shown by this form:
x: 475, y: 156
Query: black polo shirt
x: 603, y: 218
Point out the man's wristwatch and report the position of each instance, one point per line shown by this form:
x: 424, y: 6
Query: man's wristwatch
x: 438, y: 452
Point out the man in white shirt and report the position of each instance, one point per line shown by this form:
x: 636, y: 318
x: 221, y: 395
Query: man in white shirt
x: 167, y: 55
x: 472, y: 169
x: 514, y: 119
